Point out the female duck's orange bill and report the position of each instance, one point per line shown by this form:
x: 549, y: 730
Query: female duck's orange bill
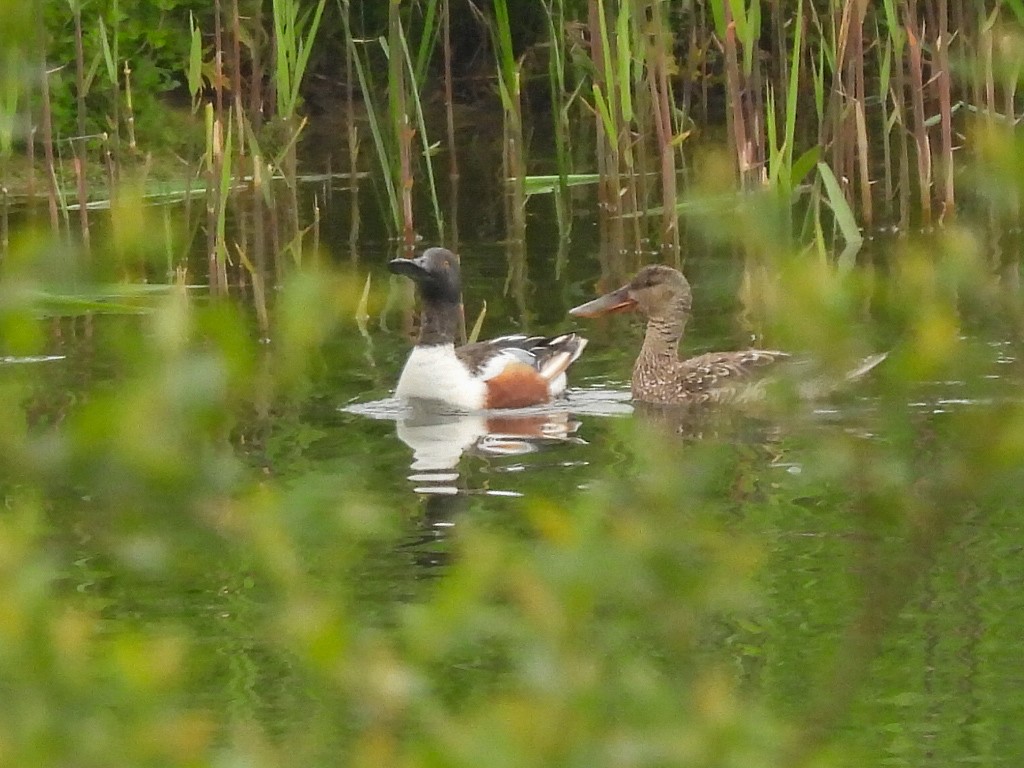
x: 616, y: 301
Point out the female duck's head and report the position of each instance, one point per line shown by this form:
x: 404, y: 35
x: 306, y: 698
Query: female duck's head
x: 657, y: 291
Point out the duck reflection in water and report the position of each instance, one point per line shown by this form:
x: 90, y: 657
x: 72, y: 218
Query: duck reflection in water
x: 439, y: 440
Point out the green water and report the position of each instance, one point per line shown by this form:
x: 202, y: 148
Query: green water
x: 901, y: 642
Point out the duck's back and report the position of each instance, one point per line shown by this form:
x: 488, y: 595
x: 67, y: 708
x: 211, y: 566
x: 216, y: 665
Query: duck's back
x: 714, y: 377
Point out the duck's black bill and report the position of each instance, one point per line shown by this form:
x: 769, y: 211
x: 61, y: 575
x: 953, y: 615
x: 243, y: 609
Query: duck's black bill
x: 411, y: 268
x: 610, y: 303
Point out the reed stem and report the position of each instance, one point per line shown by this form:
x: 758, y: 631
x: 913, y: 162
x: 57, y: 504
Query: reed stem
x: 48, y: 156
x: 942, y: 83
x: 917, y: 86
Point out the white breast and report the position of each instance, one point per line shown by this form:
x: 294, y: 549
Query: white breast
x: 435, y: 373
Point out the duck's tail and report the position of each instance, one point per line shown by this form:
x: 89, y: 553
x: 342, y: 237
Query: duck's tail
x: 556, y: 354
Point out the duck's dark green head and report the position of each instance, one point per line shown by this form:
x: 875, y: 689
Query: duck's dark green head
x: 435, y: 272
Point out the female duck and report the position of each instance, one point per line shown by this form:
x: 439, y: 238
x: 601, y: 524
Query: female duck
x: 663, y: 294
x: 506, y: 372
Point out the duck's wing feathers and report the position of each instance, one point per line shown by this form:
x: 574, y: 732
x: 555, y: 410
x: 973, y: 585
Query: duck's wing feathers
x: 727, y: 376
x: 549, y: 356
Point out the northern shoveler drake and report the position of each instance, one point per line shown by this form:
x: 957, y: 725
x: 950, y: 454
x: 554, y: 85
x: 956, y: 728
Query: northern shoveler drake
x: 507, y: 372
x: 663, y: 294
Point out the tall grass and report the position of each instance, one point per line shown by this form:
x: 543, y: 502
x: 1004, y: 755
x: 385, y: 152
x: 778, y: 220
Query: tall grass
x: 510, y: 90
x: 397, y: 118
x: 869, y: 90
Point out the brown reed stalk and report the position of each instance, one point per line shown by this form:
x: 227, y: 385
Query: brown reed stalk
x: 644, y: 132
x: 694, y: 57
x: 886, y: 125
x: 705, y: 36
x: 449, y: 100
x: 597, y: 57
x: 30, y: 186
x: 449, y: 112
x: 924, y: 156
x: 899, y: 91
x: 625, y: 117
x: 51, y: 167
x: 352, y: 133
x: 108, y: 161
x: 602, y: 51
x: 236, y: 77
x: 256, y: 78
x: 988, y: 84
x: 215, y: 160
x: 514, y: 163
x: 259, y: 218
x: 130, y: 120
x: 81, y: 187
x: 353, y: 218
x: 755, y: 121
x: 218, y: 61
x: 734, y: 96
x: 5, y: 219
x: 404, y: 133
x: 83, y: 198
x: 856, y: 62
x: 79, y: 143
x: 76, y: 12
x: 658, y: 74
x: 316, y: 227
x: 839, y: 116
x: 217, y: 269
x: 942, y: 83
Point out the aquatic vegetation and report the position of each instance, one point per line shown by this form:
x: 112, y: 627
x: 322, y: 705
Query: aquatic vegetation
x: 205, y: 561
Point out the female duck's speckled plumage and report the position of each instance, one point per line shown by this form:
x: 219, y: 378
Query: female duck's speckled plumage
x: 663, y: 294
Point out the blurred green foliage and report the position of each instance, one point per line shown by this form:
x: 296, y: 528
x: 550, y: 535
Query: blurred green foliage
x: 176, y: 572
x: 151, y: 37
x: 618, y: 626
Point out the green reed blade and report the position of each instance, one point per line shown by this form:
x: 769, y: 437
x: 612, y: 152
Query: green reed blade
x: 793, y: 91
x: 424, y: 140
x: 294, y: 35
x: 428, y: 42
x: 896, y: 32
x: 624, y: 57
x: 503, y: 38
x: 718, y: 16
x: 751, y: 33
x: 94, y: 68
x: 109, y: 56
x: 775, y: 152
x: 937, y: 118
x: 372, y: 117
x: 845, y: 219
x: 543, y: 185
x: 606, y: 53
x: 195, y: 60
x: 478, y: 326
x: 804, y: 164
x: 818, y: 75
x: 601, y: 104
x: 885, y: 70
x: 224, y: 189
